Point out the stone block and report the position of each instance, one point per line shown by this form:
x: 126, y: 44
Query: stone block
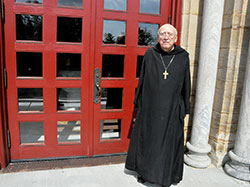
x: 245, y: 37
x: 231, y: 75
x: 196, y: 7
x: 193, y: 54
x: 225, y: 118
x: 184, y: 30
x: 193, y: 30
x: 228, y: 104
x: 235, y: 39
x: 229, y: 6
x: 220, y: 158
x: 229, y: 89
x: 236, y: 20
x: 233, y: 58
x: 238, y: 6
x: 225, y: 38
x: 221, y: 134
x: 232, y: 38
x: 193, y: 70
x: 247, y: 16
x: 227, y: 21
x: 186, y: 6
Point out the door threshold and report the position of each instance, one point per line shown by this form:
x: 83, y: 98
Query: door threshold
x: 61, y: 163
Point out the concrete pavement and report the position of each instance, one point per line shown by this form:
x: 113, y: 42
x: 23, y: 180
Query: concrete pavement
x: 112, y: 176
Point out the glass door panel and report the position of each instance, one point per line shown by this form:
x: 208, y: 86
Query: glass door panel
x: 68, y: 131
x: 29, y: 27
x: 73, y: 3
x: 30, y: 1
x: 30, y: 99
x: 150, y: 6
x: 31, y: 133
x: 115, y: 4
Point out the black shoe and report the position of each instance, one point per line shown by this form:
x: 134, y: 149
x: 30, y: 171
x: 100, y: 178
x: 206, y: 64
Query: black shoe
x: 140, y: 179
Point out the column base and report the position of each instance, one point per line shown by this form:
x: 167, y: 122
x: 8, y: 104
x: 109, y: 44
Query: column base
x: 197, y: 157
x: 238, y: 167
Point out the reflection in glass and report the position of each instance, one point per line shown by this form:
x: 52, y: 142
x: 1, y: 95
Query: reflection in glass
x: 139, y: 64
x: 68, y: 65
x: 75, y: 3
x: 30, y: 99
x: 110, y: 129
x: 68, y: 99
x: 147, y: 34
x: 114, y: 32
x: 29, y: 64
x: 69, y: 29
x: 68, y: 131
x: 115, y: 4
x: 150, y: 6
x: 31, y: 132
x: 112, y: 65
x: 111, y: 98
x: 30, y: 1
x: 29, y: 27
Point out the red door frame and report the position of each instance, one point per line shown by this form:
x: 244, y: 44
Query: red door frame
x: 4, y: 152
x: 176, y: 16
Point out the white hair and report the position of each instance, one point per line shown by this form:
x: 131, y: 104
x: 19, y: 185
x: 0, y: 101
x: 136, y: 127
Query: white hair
x: 168, y: 25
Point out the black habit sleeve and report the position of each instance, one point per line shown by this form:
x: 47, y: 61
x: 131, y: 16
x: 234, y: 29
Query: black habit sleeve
x: 137, y: 100
x: 186, y: 87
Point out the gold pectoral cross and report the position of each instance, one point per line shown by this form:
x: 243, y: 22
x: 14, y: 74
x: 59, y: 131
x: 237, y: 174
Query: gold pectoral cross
x: 165, y: 74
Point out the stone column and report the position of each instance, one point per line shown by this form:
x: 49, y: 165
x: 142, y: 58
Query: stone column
x: 207, y: 70
x: 239, y: 165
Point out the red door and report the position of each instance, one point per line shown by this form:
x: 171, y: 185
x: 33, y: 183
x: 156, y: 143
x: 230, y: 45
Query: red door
x: 123, y: 33
x: 72, y: 69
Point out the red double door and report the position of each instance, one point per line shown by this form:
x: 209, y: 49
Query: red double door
x: 72, y: 71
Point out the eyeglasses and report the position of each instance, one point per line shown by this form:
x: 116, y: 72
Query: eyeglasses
x: 168, y: 34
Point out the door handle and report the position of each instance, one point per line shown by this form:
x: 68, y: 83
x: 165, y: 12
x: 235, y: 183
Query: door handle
x: 97, y: 87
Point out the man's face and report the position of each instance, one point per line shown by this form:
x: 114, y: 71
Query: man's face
x: 167, y: 37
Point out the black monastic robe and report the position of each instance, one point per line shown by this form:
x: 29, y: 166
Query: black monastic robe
x: 156, y: 147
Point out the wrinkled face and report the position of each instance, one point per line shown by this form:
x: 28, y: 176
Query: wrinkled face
x: 167, y: 37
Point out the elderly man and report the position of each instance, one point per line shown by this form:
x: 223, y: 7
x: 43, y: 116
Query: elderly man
x: 157, y: 142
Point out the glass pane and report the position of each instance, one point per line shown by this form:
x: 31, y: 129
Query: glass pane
x: 111, y: 98
x: 150, y: 6
x: 69, y: 29
x: 30, y: 1
x: 147, y: 34
x: 29, y: 64
x: 30, y: 99
x: 110, y: 129
x: 139, y: 64
x: 68, y: 65
x: 112, y: 65
x: 68, y: 131
x: 115, y: 4
x: 68, y: 99
x: 29, y: 27
x: 75, y: 3
x: 31, y: 132
x: 114, y: 32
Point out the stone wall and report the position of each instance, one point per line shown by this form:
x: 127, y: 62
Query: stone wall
x: 231, y: 69
x: 230, y: 77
